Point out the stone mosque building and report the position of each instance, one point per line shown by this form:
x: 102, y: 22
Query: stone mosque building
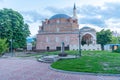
x: 63, y: 28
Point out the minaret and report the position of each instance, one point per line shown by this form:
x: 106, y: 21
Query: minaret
x: 74, y: 12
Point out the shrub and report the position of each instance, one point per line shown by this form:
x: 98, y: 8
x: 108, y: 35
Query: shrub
x: 3, y: 46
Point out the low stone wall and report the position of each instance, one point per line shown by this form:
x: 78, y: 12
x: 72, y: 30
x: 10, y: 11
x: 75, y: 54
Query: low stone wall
x: 86, y: 47
x: 91, y: 47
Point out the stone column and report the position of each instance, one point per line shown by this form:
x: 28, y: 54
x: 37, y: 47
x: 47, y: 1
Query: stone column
x: 62, y: 47
x: 62, y: 53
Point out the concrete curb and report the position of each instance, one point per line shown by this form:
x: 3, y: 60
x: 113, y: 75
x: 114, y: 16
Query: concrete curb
x: 83, y: 73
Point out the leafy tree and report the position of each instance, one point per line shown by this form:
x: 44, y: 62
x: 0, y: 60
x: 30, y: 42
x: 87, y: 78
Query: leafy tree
x: 115, y: 40
x: 118, y: 39
x: 3, y: 46
x: 12, y: 26
x: 104, y: 37
x: 34, y: 41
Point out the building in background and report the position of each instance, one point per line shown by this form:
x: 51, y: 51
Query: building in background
x: 29, y: 43
x: 63, y: 28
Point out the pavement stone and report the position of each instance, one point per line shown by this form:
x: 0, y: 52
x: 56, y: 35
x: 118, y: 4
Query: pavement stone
x: 30, y: 69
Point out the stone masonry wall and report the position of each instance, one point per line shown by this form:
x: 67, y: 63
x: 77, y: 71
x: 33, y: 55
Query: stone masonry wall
x: 54, y: 40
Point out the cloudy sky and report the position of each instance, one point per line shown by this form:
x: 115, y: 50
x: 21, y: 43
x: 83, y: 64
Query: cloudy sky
x: 98, y: 14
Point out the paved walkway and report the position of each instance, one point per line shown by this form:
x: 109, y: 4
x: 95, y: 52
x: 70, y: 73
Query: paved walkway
x: 30, y: 69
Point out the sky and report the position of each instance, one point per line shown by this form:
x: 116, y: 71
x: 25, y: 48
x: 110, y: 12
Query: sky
x: 98, y: 14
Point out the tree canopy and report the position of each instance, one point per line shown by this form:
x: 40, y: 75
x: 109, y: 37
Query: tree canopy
x: 104, y: 37
x: 12, y: 27
x: 115, y: 40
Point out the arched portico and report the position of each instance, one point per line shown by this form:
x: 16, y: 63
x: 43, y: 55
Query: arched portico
x: 88, y: 38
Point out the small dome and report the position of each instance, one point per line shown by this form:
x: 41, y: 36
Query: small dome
x: 58, y: 16
x: 87, y: 28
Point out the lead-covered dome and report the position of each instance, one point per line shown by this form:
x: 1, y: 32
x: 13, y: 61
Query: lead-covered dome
x: 58, y: 16
x: 86, y: 28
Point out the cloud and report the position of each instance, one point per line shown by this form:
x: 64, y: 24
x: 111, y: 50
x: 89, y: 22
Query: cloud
x: 113, y: 23
x: 53, y: 10
x: 89, y: 14
x: 106, y: 16
x: 92, y: 21
x: 32, y: 16
x: 112, y: 10
x: 89, y: 10
x: 34, y: 27
x: 108, y: 10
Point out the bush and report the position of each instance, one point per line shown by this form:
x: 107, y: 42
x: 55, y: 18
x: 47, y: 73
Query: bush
x: 117, y: 50
x: 3, y: 46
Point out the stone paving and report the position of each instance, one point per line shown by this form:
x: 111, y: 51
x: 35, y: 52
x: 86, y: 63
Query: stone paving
x: 30, y: 69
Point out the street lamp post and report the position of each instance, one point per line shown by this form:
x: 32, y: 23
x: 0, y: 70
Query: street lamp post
x: 79, y: 44
x: 11, y: 47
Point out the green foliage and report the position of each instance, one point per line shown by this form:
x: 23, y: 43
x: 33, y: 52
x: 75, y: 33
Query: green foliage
x: 3, y: 46
x: 12, y: 26
x: 118, y: 39
x: 34, y: 42
x: 115, y: 40
x: 93, y: 62
x: 104, y: 37
x: 117, y: 50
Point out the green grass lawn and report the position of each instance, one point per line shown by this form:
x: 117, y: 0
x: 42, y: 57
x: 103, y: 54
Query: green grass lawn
x: 91, y: 61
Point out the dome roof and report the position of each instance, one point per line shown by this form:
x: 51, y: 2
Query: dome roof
x: 87, y: 28
x: 58, y: 16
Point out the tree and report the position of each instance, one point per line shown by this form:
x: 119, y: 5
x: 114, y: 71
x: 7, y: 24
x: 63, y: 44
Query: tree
x: 3, y: 46
x: 34, y: 42
x: 12, y: 26
x: 115, y: 40
x: 104, y: 37
x: 118, y: 39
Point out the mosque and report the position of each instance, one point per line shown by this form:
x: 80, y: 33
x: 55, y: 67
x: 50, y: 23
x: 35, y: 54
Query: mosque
x: 64, y: 28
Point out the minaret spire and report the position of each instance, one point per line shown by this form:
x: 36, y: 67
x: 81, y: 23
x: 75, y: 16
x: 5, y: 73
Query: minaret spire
x: 74, y: 12
x: 74, y: 7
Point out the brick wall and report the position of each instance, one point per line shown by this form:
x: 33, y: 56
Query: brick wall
x: 54, y: 40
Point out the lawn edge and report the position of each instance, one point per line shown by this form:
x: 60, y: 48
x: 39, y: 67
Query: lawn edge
x: 83, y: 73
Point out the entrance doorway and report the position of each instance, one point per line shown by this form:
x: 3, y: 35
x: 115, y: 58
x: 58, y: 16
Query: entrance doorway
x: 87, y: 39
x: 48, y: 48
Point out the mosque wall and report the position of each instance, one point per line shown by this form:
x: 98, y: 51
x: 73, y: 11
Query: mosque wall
x: 54, y: 40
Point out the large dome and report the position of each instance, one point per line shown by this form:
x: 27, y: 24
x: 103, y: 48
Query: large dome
x: 58, y: 16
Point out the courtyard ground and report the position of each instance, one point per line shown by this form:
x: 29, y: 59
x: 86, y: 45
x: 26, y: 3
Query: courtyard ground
x: 16, y: 68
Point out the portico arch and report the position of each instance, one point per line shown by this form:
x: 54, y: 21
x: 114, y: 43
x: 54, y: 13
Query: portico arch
x: 88, y: 38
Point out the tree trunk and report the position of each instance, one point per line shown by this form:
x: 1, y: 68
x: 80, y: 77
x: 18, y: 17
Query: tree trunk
x: 102, y: 47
